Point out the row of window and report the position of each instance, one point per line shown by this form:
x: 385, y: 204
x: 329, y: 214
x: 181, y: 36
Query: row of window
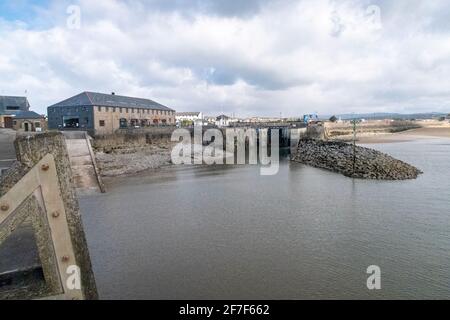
x: 149, y: 111
x: 36, y: 124
x: 136, y: 122
x: 138, y: 110
x: 68, y: 109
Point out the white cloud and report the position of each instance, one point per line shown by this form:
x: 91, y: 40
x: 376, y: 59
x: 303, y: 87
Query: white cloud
x: 283, y: 56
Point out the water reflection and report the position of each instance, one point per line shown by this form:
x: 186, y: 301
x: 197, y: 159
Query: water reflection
x: 225, y: 232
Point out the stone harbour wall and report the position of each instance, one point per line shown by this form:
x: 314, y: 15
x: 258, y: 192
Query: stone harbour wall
x: 133, y: 138
x: 367, y: 164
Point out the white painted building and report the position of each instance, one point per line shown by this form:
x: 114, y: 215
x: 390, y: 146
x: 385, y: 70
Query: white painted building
x: 195, y: 117
x: 223, y: 121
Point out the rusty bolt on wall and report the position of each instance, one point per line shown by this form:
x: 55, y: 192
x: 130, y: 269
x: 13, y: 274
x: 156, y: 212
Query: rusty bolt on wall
x: 4, y: 207
x: 65, y: 259
x: 55, y: 214
x: 45, y: 167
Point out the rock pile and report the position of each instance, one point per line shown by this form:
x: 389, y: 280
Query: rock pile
x: 366, y: 164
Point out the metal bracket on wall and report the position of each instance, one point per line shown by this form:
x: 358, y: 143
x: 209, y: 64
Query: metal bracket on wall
x: 37, y: 197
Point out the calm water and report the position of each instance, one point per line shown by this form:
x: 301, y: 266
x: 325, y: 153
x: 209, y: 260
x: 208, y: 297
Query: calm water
x: 229, y: 233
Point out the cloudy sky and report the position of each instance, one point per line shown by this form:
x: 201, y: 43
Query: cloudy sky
x: 252, y: 57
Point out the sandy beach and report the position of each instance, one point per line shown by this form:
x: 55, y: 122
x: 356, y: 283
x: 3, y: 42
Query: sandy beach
x: 413, y: 134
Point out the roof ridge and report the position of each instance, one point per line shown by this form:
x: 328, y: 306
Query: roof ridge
x: 24, y: 97
x: 118, y: 95
x: 103, y: 99
x: 87, y: 94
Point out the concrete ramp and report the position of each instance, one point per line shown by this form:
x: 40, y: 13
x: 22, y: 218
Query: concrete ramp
x: 82, y: 159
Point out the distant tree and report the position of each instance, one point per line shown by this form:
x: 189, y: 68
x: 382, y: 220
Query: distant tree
x: 187, y: 123
x: 441, y: 118
x: 333, y: 119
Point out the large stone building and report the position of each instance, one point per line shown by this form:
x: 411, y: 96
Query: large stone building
x: 101, y: 113
x: 15, y: 114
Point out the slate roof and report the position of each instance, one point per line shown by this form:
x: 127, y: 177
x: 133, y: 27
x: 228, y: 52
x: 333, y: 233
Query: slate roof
x: 20, y: 114
x: 8, y: 101
x: 187, y: 114
x: 109, y: 100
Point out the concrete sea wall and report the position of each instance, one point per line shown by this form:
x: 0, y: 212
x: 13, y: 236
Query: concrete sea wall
x: 132, y: 138
x: 365, y: 164
x: 128, y: 152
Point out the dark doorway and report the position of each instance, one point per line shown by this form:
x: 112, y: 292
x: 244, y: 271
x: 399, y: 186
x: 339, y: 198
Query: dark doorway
x: 8, y: 122
x: 71, y: 122
x: 26, y: 126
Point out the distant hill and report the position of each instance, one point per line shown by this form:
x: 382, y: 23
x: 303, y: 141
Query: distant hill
x: 381, y: 116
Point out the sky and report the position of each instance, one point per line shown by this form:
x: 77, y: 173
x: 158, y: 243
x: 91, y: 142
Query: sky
x: 242, y: 58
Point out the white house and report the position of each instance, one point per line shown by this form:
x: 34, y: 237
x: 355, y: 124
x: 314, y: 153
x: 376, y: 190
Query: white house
x: 222, y: 121
x: 195, y: 117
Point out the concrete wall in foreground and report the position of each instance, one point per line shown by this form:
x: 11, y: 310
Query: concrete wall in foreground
x: 32, y: 149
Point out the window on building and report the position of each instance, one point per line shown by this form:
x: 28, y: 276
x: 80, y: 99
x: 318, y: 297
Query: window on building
x: 12, y: 108
x: 132, y: 110
x: 71, y: 122
x: 99, y: 109
x: 120, y: 110
x: 101, y: 123
x: 107, y: 109
x: 114, y: 109
x: 15, y: 123
x: 126, y: 110
x: 37, y: 124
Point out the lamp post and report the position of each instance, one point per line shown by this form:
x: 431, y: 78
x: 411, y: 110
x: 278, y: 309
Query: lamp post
x: 354, y: 122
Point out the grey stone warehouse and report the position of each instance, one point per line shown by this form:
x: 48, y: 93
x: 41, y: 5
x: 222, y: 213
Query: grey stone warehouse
x: 101, y: 113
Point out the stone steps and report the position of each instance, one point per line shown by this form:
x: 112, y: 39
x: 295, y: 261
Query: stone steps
x: 83, y: 167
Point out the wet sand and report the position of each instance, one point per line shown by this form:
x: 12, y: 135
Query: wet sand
x: 409, y: 135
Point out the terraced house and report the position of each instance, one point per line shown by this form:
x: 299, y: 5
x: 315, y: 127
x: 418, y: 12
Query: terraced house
x: 100, y: 113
